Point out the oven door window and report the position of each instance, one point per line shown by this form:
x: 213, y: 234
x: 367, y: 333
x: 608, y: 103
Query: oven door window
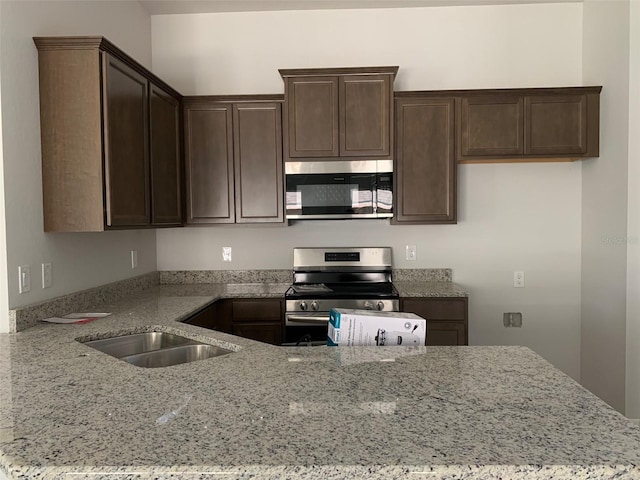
x: 326, y: 194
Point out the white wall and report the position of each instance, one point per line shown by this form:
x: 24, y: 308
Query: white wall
x: 511, y: 217
x: 79, y: 260
x: 604, y: 205
x: 633, y: 225
x: 4, y: 293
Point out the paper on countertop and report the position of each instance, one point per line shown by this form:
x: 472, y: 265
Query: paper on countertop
x: 76, y: 318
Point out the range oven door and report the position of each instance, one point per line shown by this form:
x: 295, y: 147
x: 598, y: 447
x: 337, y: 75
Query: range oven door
x: 337, y: 189
x: 306, y: 328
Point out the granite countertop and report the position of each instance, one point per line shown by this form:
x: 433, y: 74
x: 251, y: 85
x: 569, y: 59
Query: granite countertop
x: 68, y: 411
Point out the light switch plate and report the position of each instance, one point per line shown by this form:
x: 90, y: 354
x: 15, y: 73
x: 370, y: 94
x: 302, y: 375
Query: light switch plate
x: 24, y: 275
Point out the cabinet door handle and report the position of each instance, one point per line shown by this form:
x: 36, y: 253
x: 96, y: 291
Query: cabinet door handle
x: 310, y: 318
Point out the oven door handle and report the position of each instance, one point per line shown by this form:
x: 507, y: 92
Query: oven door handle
x: 309, y: 318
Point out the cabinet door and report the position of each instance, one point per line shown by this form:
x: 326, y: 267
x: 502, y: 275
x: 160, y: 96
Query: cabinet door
x: 555, y: 125
x: 365, y: 112
x: 425, y: 179
x: 259, y: 319
x: 446, y: 318
x: 262, y: 332
x: 164, y: 120
x: 257, y: 310
x: 204, y: 318
x: 209, y: 163
x: 491, y: 126
x: 445, y: 333
x: 126, y: 127
x: 312, y: 124
x: 257, y: 133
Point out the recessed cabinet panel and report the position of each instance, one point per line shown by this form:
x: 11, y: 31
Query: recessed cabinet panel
x: 491, y: 126
x: 257, y: 130
x: 209, y: 164
x: 556, y: 124
x: 165, y: 157
x: 365, y: 115
x: 313, y: 116
x: 425, y: 161
x: 127, y: 152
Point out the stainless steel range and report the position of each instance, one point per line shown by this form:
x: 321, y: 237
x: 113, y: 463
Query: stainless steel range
x: 325, y: 278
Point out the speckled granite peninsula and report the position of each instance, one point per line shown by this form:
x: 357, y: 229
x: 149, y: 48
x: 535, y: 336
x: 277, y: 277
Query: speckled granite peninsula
x: 70, y: 412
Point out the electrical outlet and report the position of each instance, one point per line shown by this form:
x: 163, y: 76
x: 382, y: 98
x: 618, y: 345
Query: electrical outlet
x: 134, y: 259
x: 47, y: 279
x: 411, y: 252
x: 226, y: 254
x: 518, y: 279
x: 512, y: 319
x: 24, y: 275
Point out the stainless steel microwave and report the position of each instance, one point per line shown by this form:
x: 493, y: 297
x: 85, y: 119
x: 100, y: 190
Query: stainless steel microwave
x: 339, y: 189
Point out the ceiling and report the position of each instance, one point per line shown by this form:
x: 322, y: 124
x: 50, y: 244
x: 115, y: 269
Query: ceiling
x: 164, y: 7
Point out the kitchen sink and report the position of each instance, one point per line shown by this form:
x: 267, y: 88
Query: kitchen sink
x: 156, y: 349
x: 175, y: 356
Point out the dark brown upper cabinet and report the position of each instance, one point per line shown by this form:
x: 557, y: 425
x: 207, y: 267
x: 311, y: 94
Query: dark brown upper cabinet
x: 425, y: 169
x: 110, y: 150
x: 126, y: 134
x: 541, y: 124
x: 338, y: 112
x: 233, y: 149
x: 166, y: 165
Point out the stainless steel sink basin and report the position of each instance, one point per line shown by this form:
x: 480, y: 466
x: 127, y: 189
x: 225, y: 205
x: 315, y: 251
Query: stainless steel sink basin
x: 138, y: 343
x: 156, y: 349
x: 175, y: 356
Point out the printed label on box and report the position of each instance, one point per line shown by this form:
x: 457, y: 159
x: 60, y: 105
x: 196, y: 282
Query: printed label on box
x: 365, y: 327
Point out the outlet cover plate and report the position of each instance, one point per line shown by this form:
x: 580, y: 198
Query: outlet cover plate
x: 47, y: 279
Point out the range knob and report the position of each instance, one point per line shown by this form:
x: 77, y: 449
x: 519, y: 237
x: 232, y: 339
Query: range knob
x: 314, y: 305
x: 303, y: 306
x: 380, y: 305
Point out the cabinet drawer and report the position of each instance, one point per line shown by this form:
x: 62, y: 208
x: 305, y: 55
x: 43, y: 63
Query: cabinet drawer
x: 257, y: 311
x: 432, y: 309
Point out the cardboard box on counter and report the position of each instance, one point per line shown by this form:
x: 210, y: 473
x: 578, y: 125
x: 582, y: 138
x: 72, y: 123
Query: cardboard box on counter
x: 349, y: 327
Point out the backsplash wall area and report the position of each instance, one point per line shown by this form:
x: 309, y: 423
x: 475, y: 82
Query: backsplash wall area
x: 500, y: 229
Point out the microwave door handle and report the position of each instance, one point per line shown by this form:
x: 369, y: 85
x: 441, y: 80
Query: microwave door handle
x: 374, y: 198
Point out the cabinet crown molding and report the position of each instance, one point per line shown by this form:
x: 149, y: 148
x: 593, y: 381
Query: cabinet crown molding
x: 100, y: 43
x: 314, y: 72
x: 582, y: 90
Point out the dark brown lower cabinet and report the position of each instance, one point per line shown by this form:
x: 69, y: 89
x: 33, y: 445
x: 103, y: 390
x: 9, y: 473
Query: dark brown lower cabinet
x: 447, y: 318
x: 259, y: 319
